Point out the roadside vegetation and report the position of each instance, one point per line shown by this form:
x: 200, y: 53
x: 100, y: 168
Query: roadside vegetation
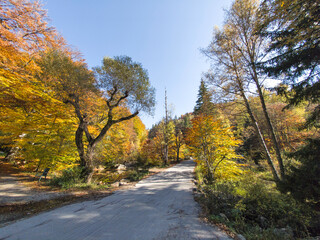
x: 268, y: 186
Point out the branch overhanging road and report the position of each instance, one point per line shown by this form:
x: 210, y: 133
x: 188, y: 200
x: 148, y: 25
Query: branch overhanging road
x: 159, y: 207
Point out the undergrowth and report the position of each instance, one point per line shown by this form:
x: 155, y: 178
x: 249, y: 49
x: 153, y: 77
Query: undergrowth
x: 255, y: 209
x: 136, y: 175
x: 70, y: 179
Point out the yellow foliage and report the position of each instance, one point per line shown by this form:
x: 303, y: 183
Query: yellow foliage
x: 213, y: 145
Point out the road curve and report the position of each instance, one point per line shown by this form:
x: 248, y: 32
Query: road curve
x: 160, y: 207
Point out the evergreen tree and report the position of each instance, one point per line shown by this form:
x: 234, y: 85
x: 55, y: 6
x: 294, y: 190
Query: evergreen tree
x: 294, y: 31
x: 304, y: 181
x: 204, y: 104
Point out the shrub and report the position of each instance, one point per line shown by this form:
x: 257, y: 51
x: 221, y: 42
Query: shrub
x: 304, y: 181
x: 256, y: 209
x: 67, y: 179
x: 136, y: 175
x: 107, y: 178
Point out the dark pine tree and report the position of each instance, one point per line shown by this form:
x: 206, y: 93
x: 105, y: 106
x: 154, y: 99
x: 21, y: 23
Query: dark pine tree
x: 204, y: 103
x: 304, y: 181
x: 294, y: 32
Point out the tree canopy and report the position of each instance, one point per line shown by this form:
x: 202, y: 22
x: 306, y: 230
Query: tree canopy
x: 294, y: 32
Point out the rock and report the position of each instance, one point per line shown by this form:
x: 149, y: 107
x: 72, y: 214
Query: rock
x: 115, y: 184
x: 197, y: 194
x: 101, y: 169
x: 225, y: 218
x: 123, y: 182
x: 121, y: 168
x: 284, y: 233
x: 263, y: 222
x: 240, y: 237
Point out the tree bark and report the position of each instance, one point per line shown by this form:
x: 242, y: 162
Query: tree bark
x: 260, y: 136
x: 250, y: 43
x: 165, y: 157
x: 270, y: 126
x: 89, y: 162
x: 12, y: 154
x: 166, y: 137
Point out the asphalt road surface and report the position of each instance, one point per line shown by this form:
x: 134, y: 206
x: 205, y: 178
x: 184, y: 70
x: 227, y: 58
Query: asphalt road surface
x: 159, y: 207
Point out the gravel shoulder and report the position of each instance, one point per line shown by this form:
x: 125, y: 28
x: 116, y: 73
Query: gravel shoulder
x: 12, y: 191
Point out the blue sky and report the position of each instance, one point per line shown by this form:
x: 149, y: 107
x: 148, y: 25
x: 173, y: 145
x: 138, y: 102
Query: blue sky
x: 163, y: 35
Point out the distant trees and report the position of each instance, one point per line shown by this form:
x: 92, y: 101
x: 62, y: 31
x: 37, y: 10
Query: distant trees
x: 178, y: 136
x: 154, y: 149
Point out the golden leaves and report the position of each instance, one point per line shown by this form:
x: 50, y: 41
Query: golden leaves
x: 213, y: 145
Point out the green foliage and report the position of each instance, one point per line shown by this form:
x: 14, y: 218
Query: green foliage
x: 204, y: 103
x: 69, y: 78
x: 136, y: 174
x: 68, y: 178
x: 126, y: 78
x: 255, y: 209
x: 293, y: 30
x: 304, y: 180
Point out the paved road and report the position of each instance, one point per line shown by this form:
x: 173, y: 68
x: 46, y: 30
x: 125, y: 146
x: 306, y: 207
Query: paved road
x: 160, y: 207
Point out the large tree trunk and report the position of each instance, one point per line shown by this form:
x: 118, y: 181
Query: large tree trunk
x: 270, y: 126
x: 165, y: 157
x: 80, y: 146
x: 89, y: 163
x: 260, y: 136
x: 14, y: 151
x: 252, y: 54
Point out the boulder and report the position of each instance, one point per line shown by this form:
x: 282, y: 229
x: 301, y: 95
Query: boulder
x: 121, y: 168
x: 284, y: 233
x: 123, y: 182
x: 263, y: 222
x: 240, y: 237
x: 115, y: 184
x: 225, y: 218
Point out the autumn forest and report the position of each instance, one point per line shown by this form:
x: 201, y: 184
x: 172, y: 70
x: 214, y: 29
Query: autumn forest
x: 253, y: 133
